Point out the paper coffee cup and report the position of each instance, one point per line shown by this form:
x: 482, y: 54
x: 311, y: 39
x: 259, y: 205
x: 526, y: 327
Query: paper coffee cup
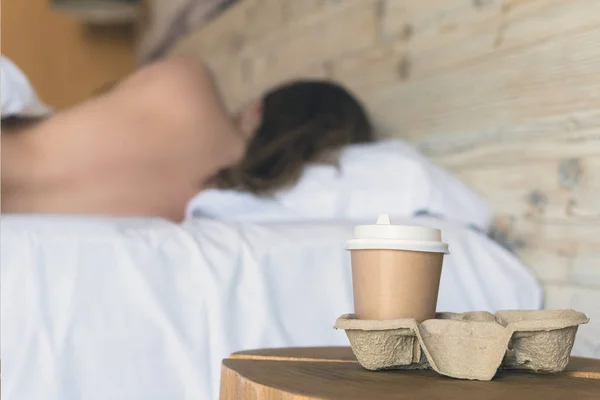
x: 396, y: 270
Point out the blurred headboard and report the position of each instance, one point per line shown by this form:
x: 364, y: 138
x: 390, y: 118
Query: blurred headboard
x: 506, y: 94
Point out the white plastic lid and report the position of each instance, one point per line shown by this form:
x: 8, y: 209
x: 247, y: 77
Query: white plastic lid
x: 384, y: 236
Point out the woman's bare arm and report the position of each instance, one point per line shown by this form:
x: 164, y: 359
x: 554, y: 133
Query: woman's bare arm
x: 142, y: 149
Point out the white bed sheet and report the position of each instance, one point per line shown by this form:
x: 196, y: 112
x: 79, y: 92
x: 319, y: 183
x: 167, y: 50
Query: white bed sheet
x: 97, y: 308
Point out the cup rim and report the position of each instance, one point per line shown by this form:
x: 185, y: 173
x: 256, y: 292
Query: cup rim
x: 394, y: 244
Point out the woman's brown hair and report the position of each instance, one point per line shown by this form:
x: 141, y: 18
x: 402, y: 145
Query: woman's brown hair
x: 302, y: 122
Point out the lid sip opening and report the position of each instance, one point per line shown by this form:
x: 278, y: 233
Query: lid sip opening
x: 383, y: 219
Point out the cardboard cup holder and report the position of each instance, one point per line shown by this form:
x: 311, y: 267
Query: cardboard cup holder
x: 472, y: 345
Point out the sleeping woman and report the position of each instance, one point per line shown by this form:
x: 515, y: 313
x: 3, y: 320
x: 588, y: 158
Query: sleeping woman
x: 148, y: 145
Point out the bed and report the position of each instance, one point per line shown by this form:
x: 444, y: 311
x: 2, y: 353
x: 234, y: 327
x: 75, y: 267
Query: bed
x: 100, y: 308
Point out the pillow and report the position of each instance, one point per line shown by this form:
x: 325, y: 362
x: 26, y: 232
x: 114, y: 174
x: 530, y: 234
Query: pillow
x: 18, y: 97
x: 384, y: 177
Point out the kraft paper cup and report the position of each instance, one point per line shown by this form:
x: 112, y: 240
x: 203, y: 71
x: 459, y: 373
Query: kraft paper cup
x: 396, y: 270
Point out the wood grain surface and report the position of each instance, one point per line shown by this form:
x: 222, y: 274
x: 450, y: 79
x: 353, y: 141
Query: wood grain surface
x: 333, y: 373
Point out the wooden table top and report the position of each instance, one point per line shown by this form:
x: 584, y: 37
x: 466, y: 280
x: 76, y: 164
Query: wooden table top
x: 334, y: 373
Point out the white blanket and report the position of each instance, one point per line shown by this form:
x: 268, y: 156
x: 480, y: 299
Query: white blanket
x: 384, y: 177
x: 98, y: 309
